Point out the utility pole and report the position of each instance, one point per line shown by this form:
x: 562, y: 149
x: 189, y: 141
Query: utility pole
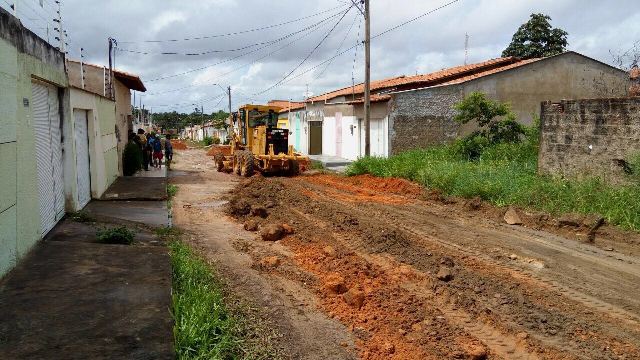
x: 367, y: 80
x: 229, y: 92
x: 82, y: 66
x: 112, y: 42
x: 466, y: 48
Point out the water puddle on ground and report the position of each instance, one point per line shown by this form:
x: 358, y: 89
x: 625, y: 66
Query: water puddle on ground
x: 212, y: 204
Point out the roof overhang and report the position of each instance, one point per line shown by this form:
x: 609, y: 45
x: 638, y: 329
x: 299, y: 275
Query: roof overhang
x: 131, y: 81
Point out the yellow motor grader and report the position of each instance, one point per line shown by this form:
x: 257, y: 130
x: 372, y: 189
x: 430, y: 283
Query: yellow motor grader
x: 257, y: 144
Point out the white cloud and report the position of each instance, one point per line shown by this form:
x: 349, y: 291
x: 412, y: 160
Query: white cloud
x: 431, y: 43
x: 167, y: 18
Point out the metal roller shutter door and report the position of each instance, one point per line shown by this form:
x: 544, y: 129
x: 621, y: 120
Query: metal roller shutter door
x: 46, y: 120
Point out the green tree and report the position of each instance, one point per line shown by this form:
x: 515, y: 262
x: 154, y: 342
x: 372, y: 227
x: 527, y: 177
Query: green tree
x: 537, y: 38
x: 495, y: 120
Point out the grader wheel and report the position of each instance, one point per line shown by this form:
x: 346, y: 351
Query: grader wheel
x: 246, y: 169
x: 237, y: 161
x: 219, y: 158
x: 294, y: 168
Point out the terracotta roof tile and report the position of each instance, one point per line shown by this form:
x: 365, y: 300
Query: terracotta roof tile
x: 418, y: 81
x: 285, y: 104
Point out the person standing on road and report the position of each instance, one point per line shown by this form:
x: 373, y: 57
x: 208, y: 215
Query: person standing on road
x: 142, y: 142
x: 157, y: 152
x: 168, y: 151
x: 149, y: 149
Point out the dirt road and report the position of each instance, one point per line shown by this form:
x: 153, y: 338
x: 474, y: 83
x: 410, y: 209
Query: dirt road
x: 380, y: 268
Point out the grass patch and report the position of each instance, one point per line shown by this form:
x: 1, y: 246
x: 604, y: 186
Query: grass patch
x: 82, y: 217
x: 206, y: 327
x: 316, y: 165
x: 172, y: 190
x: 119, y: 235
x: 506, y: 174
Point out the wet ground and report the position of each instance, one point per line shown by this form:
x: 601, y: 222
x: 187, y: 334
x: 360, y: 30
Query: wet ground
x: 72, y: 297
x: 382, y: 268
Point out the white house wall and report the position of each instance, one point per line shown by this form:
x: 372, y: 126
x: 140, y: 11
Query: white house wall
x: 102, y: 141
x: 329, y: 136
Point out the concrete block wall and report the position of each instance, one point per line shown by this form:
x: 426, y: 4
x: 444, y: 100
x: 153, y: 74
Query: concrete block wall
x: 587, y: 138
x: 423, y: 118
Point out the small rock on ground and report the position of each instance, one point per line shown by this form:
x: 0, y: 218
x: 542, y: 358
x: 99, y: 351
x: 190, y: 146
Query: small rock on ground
x: 445, y: 274
x: 270, y: 262
x: 511, y: 217
x: 354, y: 297
x: 273, y: 232
x: 335, y: 284
x: 251, y: 225
x: 288, y: 229
x: 259, y: 211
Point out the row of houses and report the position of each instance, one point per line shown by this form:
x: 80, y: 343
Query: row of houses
x: 63, y: 128
x: 199, y: 132
x: 417, y: 111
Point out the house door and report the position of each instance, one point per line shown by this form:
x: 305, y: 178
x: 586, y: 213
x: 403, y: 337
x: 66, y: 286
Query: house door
x: 48, y: 138
x: 315, y: 137
x: 81, y: 135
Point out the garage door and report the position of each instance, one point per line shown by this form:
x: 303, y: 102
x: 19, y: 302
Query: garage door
x: 48, y: 138
x: 81, y: 136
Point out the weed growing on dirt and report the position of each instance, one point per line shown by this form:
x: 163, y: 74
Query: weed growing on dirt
x: 506, y: 174
x: 120, y: 235
x: 81, y: 217
x: 316, y: 165
x: 172, y: 190
x: 205, y: 327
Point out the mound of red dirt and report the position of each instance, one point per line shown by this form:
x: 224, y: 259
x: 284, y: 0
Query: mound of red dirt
x: 178, y: 145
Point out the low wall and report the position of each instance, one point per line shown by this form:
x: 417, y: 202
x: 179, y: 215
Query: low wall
x: 584, y: 138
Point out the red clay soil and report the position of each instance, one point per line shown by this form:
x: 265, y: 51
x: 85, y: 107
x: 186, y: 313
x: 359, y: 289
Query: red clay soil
x: 219, y: 149
x: 178, y: 145
x: 368, y: 188
x: 418, y: 276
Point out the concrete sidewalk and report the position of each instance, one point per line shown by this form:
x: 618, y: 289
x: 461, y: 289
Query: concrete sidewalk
x: 75, y: 298
x: 144, y: 186
x: 332, y: 162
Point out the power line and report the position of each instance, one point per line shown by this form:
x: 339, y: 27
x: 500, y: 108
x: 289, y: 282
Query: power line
x: 248, y: 63
x: 415, y: 18
x: 308, y: 56
x: 355, y: 18
x: 220, y: 51
x: 353, y: 47
x: 245, y: 54
x: 237, y: 32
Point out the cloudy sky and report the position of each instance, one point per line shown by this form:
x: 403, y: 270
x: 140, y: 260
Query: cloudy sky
x: 279, y: 61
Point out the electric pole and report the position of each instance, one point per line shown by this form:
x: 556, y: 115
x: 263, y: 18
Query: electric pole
x: 367, y: 80
x: 112, y: 42
x: 229, y: 92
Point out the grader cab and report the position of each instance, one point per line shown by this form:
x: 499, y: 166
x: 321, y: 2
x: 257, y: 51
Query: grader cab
x: 257, y: 144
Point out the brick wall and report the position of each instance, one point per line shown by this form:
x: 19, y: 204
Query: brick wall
x: 423, y: 118
x: 582, y: 138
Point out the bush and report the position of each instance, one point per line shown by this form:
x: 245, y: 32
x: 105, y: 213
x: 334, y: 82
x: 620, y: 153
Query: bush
x: 496, y: 122
x: 131, y: 159
x: 208, y: 140
x: 216, y: 140
x: 120, y: 235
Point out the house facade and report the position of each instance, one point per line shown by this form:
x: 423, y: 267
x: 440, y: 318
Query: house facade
x: 34, y: 108
x: 417, y: 111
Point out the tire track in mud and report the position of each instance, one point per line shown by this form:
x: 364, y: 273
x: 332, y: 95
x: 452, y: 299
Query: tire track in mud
x: 498, y: 343
x: 607, y: 308
x: 544, y: 283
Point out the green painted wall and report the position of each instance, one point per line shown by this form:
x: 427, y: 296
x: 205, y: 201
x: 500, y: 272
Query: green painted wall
x: 19, y: 202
